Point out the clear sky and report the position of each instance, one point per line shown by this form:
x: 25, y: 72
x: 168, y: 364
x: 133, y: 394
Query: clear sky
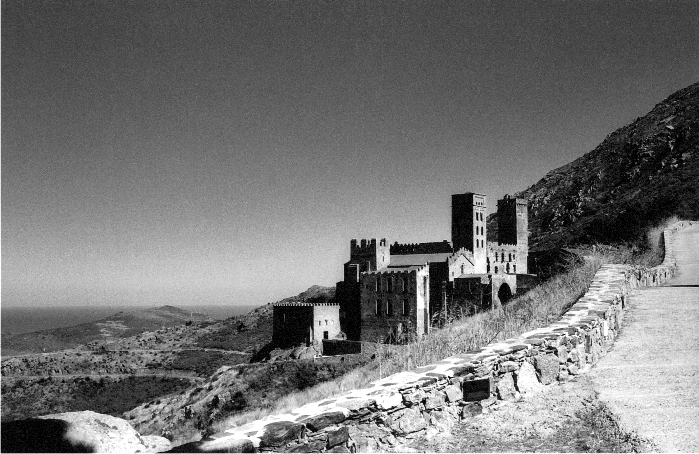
x: 165, y: 152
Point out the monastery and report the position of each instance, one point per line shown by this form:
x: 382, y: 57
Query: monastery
x: 391, y: 291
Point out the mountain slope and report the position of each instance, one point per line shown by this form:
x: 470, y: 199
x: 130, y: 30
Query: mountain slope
x: 639, y: 175
x: 117, y: 326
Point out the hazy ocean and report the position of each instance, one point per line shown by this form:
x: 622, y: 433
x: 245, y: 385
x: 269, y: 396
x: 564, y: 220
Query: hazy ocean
x: 28, y: 319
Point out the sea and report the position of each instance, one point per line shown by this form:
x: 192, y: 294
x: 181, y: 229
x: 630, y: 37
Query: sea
x: 29, y: 319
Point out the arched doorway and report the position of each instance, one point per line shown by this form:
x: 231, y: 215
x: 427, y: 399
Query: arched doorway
x: 504, y: 293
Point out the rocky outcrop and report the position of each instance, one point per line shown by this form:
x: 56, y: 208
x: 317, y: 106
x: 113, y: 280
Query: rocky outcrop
x: 82, y: 431
x: 640, y: 175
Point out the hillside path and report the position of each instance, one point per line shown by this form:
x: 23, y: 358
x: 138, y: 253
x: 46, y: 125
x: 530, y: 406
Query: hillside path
x: 650, y: 377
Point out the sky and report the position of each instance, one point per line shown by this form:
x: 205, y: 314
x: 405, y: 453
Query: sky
x: 172, y: 152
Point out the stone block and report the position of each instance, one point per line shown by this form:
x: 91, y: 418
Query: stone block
x: 546, y: 368
x: 407, y: 421
x: 389, y: 400
x: 526, y: 380
x: 321, y: 421
x: 506, y: 387
x: 338, y: 436
x: 573, y: 369
x: 509, y: 366
x: 478, y: 389
x: 435, y: 400
x: 414, y: 398
x: 471, y: 409
x: 562, y: 353
x: 454, y: 393
x: 279, y: 433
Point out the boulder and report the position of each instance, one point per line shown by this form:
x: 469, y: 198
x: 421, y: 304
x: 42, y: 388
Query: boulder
x: 526, y: 379
x: 506, y: 387
x: 546, y: 368
x: 81, y: 431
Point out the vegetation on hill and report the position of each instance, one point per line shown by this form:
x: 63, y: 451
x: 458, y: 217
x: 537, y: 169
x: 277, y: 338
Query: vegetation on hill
x: 638, y: 176
x: 118, y: 326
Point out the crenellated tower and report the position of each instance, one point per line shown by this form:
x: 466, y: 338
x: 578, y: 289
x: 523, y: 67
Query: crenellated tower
x: 513, y: 228
x: 367, y: 255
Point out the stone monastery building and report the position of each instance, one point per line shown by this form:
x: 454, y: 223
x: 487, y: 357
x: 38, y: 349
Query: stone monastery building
x: 402, y: 289
x: 390, y: 290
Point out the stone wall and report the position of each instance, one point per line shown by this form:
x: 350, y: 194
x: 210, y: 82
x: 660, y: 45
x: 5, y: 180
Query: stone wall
x: 412, y: 404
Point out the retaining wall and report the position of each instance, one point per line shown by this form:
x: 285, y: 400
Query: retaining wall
x: 413, y: 404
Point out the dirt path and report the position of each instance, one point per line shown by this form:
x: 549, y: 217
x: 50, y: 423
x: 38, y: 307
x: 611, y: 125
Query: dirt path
x: 650, y: 377
x: 566, y: 417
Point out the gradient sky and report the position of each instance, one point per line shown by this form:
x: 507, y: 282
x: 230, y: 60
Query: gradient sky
x: 165, y: 152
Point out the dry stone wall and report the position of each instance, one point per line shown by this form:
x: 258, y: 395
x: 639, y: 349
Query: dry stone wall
x: 412, y: 404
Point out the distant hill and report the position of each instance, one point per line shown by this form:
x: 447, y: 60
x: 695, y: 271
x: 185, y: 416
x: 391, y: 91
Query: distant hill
x: 118, y: 326
x: 638, y: 176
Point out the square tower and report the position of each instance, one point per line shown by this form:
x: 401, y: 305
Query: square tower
x: 513, y: 228
x: 468, y: 226
x: 513, y: 222
x: 368, y: 255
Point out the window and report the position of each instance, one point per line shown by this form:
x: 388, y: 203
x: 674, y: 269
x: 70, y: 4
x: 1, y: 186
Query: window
x: 326, y: 323
x: 406, y: 307
x: 390, y: 285
x: 507, y: 268
x: 389, y: 308
x: 463, y: 268
x: 404, y: 285
x: 325, y: 335
x: 514, y: 268
x: 496, y: 270
x: 376, y: 307
x: 319, y: 323
x: 376, y: 285
x: 509, y: 257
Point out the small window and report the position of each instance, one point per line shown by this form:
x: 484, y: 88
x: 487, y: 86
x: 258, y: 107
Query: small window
x: 496, y: 270
x: 509, y: 257
x: 389, y: 308
x: 319, y: 323
x: 376, y: 285
x: 326, y: 335
x: 326, y: 323
x: 463, y: 268
x: 507, y: 268
x: 406, y: 307
x: 514, y: 268
x: 404, y: 285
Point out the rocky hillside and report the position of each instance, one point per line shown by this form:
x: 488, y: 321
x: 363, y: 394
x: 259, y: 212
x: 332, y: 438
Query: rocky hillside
x: 638, y: 176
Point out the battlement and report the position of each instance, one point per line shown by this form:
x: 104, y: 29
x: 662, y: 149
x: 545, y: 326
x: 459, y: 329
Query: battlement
x: 365, y: 246
x: 302, y: 303
x: 435, y: 247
